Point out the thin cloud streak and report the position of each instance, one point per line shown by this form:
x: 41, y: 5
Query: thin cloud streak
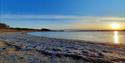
x: 61, y: 17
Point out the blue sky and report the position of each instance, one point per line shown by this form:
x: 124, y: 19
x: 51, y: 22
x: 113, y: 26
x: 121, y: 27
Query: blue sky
x: 63, y: 14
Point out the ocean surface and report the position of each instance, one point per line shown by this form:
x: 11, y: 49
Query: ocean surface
x: 112, y: 37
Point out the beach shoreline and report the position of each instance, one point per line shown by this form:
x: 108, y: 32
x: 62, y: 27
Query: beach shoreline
x: 85, y: 51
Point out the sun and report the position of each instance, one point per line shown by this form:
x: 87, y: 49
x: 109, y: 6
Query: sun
x: 115, y: 25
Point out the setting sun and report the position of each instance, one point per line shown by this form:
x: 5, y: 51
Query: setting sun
x: 115, y: 26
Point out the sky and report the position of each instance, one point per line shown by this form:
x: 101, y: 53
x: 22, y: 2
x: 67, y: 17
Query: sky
x: 63, y: 14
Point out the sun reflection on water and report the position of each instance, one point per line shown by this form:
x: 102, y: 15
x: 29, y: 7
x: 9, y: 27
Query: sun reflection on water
x: 116, y: 37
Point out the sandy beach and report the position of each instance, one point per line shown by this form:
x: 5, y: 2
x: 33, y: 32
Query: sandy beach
x: 17, y: 47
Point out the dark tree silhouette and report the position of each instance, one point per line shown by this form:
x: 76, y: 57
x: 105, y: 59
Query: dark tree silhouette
x: 5, y: 26
x: 2, y: 25
x: 45, y: 29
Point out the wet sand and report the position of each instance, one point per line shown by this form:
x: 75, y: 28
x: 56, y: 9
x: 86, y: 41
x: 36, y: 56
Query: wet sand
x: 17, y: 47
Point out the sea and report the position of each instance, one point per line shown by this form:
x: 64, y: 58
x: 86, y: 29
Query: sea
x: 111, y: 37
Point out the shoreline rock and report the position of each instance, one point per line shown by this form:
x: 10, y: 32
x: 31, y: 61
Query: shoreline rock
x: 87, y: 51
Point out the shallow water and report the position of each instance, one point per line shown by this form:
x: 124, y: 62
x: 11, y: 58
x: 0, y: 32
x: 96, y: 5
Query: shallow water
x: 114, y: 37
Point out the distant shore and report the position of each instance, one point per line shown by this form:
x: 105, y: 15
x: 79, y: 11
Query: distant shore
x: 61, y: 49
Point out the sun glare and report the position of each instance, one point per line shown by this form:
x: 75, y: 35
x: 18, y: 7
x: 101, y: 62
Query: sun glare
x: 116, y: 37
x: 115, y: 26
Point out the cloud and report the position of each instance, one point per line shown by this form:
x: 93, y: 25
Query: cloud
x: 38, y: 17
x: 61, y: 21
x: 61, y: 17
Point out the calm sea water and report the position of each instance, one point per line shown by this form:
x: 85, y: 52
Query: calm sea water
x: 116, y: 37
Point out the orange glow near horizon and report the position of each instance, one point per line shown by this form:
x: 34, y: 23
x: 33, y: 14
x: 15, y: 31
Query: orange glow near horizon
x: 99, y: 26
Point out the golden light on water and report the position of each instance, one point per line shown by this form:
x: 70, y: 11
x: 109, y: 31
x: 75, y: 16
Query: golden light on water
x: 115, y: 26
x: 116, y: 37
